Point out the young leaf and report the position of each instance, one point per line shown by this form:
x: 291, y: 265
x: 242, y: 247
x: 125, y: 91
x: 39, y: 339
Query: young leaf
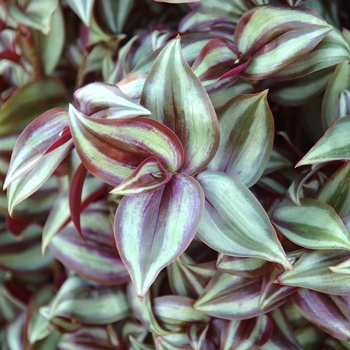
x: 314, y: 306
x: 247, y: 130
x: 153, y: 229
x: 285, y: 34
x: 112, y: 149
x: 313, y: 225
x: 312, y: 271
x: 181, y: 103
x: 333, y: 145
x: 34, y: 141
x: 234, y: 222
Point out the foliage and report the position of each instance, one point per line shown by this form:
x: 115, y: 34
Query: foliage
x: 175, y: 175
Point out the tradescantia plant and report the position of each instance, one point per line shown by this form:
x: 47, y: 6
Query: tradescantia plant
x: 175, y: 175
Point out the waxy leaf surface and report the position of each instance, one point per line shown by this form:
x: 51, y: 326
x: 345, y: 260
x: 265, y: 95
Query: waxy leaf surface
x: 111, y: 149
x: 153, y: 229
x: 312, y: 271
x: 328, y: 312
x: 333, y: 145
x: 313, y: 225
x: 247, y: 129
x: 234, y: 223
x: 285, y: 34
x: 232, y: 298
x: 175, y: 96
x: 36, y: 138
x: 106, y: 101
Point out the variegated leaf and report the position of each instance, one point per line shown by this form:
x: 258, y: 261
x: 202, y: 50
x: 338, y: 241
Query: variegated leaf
x: 174, y: 102
x: 285, y: 34
x: 312, y: 271
x: 247, y: 130
x: 314, y: 306
x: 101, y: 100
x: 111, y: 149
x: 196, y: 333
x: 342, y: 268
x: 334, y: 145
x: 82, y: 9
x: 313, y: 225
x: 34, y: 141
x: 232, y: 298
x: 247, y: 334
x: 234, y: 222
x: 153, y: 229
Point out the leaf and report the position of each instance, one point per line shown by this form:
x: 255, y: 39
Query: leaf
x: 177, y: 1
x: 37, y: 14
x: 336, y: 191
x: 94, y: 260
x: 196, y: 333
x: 149, y: 176
x: 234, y: 222
x: 82, y: 9
x: 333, y: 145
x: 34, y: 141
x: 285, y: 34
x: 247, y: 334
x: 232, y: 298
x: 25, y: 186
x: 247, y: 130
x: 312, y: 271
x: 35, y: 97
x: 81, y: 301
x: 102, y: 100
x: 111, y: 150
x: 174, y: 101
x: 159, y: 226
x: 314, y: 306
x: 244, y: 267
x: 338, y: 82
x: 313, y: 225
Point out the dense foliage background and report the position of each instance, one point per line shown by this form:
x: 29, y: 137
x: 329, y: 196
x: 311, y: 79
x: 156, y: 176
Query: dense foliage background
x: 175, y: 175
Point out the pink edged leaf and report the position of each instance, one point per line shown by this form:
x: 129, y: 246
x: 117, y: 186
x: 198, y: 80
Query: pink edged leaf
x: 247, y: 334
x: 102, y: 100
x: 176, y: 97
x: 234, y: 223
x: 285, y: 34
x: 241, y: 64
x: 112, y: 149
x: 94, y: 259
x: 152, y: 229
x: 196, y: 333
x: 333, y: 145
x: 23, y: 187
x: 232, y: 298
x: 82, y: 301
x: 74, y: 196
x: 313, y: 225
x: 245, y: 267
x: 34, y: 142
x: 247, y: 131
x: 342, y: 268
x: 312, y: 271
x: 328, y: 312
x: 149, y: 176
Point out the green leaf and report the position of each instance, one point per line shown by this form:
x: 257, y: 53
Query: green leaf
x: 312, y: 271
x: 234, y: 222
x: 336, y: 191
x: 247, y: 130
x: 37, y: 14
x: 336, y: 85
x: 153, y: 229
x: 81, y: 301
x: 197, y: 334
x: 333, y: 145
x: 181, y: 103
x: 285, y: 34
x: 83, y: 9
x: 232, y: 298
x: 177, y: 1
x: 314, y: 306
x: 313, y: 225
x: 111, y: 149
